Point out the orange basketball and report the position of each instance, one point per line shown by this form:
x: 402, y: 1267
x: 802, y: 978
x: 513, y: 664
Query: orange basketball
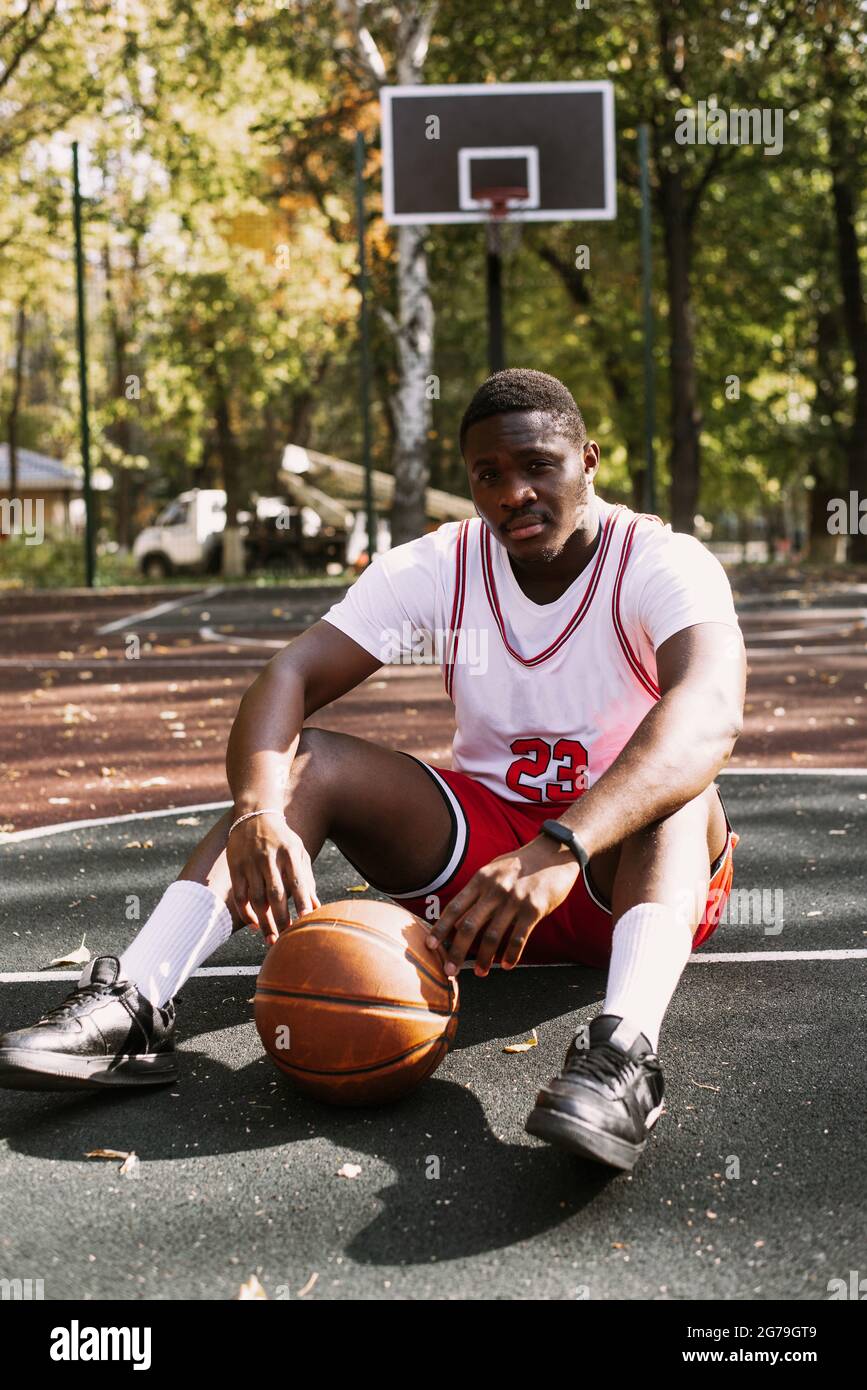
x: 353, y: 1006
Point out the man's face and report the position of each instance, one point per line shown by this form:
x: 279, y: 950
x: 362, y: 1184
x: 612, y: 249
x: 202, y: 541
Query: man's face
x: 529, y: 482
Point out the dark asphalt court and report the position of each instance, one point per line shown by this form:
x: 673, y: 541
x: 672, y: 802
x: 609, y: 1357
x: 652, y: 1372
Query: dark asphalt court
x: 764, y: 1062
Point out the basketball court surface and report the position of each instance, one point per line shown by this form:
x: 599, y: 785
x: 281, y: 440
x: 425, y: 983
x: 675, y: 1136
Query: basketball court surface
x: 753, y: 1185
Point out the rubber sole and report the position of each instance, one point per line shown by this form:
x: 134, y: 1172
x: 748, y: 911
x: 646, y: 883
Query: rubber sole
x: 23, y: 1070
x: 583, y: 1139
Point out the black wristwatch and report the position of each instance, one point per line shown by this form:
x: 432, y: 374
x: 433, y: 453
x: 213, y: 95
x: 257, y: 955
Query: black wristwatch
x: 556, y: 831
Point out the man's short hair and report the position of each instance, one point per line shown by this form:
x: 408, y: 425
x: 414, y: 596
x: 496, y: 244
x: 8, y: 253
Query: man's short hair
x: 520, y: 388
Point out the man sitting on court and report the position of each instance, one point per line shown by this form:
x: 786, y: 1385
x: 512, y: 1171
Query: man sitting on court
x: 597, y: 671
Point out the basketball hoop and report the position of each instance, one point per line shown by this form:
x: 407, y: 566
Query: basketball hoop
x: 504, y: 235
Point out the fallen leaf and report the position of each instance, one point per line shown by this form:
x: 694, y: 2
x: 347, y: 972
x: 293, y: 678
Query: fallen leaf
x: 349, y: 1170
x: 704, y: 1086
x: 188, y: 820
x: 80, y: 956
x: 359, y: 887
x: 129, y: 1165
x: 252, y: 1289
x: 523, y: 1046
x: 108, y: 1153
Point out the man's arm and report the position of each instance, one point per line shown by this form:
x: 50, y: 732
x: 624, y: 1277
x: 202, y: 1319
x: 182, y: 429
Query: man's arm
x: 681, y: 744
x: 674, y: 754
x: 267, y: 860
x: 318, y: 667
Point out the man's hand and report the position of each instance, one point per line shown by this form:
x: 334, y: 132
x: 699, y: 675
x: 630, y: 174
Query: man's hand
x: 502, y: 903
x: 269, y: 864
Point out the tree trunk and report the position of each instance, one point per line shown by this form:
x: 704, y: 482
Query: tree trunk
x: 230, y: 461
x: 17, y: 393
x: 853, y: 314
x: 824, y: 547
x: 826, y: 454
x: 611, y: 355
x: 685, y: 463
x: 412, y: 409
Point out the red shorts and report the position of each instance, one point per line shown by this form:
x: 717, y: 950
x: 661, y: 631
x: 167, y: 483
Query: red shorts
x: 485, y: 825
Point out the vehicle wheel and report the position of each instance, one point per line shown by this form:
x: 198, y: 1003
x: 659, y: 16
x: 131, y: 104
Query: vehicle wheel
x: 156, y: 567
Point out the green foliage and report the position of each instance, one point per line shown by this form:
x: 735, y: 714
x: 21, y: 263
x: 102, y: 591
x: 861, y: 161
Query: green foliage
x: 218, y: 168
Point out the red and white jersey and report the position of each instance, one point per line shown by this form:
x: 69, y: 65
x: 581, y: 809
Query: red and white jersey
x: 545, y: 694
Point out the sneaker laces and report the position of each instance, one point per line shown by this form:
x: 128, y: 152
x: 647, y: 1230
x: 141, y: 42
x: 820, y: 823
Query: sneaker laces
x: 77, y: 997
x: 602, y: 1062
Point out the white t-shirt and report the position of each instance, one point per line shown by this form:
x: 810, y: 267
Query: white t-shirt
x: 545, y: 695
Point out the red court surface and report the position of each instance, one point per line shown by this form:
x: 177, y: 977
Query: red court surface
x: 94, y: 725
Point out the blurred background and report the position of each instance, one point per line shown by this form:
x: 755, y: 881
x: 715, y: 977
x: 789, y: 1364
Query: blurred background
x: 221, y: 274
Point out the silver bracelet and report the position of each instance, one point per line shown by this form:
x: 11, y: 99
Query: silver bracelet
x: 266, y: 811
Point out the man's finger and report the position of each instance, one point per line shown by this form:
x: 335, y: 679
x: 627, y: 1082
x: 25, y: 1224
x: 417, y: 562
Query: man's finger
x: 277, y: 899
x: 493, y: 935
x: 518, y: 939
x: 466, y: 932
x: 244, y: 901
x: 459, y: 904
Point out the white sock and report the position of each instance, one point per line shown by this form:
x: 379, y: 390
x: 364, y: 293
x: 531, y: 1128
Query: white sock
x: 650, y: 948
x: 187, y: 925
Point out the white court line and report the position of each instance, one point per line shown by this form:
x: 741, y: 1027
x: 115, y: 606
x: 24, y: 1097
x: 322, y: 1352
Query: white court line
x: 208, y: 634
x: 760, y: 614
x: 125, y: 664
x: 793, y: 772
x: 830, y: 631
x: 160, y: 608
x: 30, y: 977
x: 61, y: 828
x: 36, y: 832
x: 849, y: 650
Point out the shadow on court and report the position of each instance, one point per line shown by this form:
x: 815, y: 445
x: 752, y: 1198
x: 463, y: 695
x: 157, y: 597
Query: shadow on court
x: 752, y: 1186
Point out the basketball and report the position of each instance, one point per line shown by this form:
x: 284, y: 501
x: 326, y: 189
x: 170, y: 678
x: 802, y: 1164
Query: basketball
x: 352, y: 1005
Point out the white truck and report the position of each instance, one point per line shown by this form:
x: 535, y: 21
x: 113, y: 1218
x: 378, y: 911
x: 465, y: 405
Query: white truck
x: 187, y: 535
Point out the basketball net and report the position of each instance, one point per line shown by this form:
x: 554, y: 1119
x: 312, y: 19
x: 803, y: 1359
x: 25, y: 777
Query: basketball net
x: 504, y: 234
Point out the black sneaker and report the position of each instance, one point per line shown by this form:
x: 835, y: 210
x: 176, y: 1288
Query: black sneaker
x: 105, y: 1033
x: 606, y: 1099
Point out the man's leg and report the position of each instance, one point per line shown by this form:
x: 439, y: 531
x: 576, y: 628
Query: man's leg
x: 117, y: 1027
x: 658, y: 887
x: 609, y: 1094
x: 379, y: 807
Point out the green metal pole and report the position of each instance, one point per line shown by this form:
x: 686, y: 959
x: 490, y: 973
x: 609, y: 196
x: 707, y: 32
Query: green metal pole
x: 365, y: 346
x: 89, y: 547
x: 647, y: 296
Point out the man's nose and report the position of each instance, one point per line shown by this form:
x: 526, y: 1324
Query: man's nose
x: 517, y: 495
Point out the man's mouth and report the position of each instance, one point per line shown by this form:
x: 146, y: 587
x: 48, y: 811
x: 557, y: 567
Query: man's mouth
x: 525, y: 527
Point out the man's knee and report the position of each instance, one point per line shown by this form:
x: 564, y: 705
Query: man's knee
x: 314, y: 759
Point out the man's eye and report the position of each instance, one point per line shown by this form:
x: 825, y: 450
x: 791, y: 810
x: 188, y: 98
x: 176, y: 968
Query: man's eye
x: 540, y: 463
